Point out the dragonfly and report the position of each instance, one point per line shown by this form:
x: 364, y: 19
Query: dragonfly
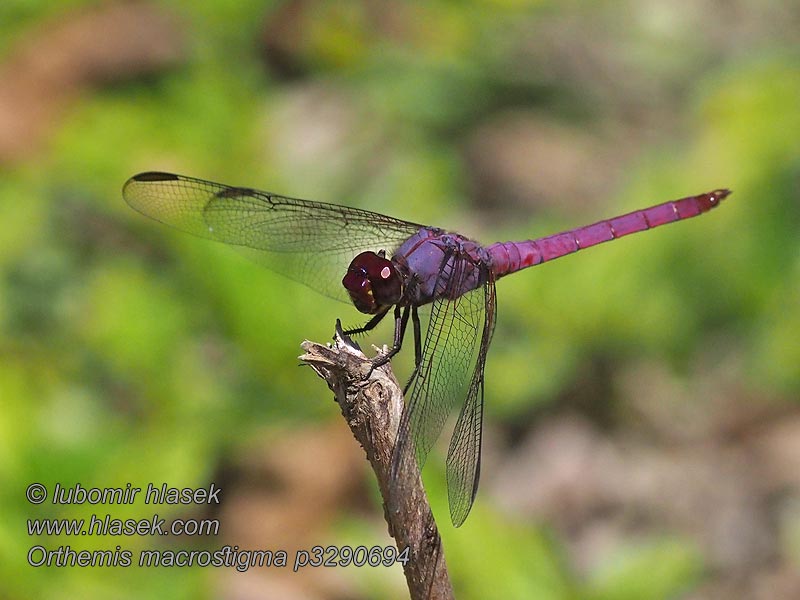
x: 381, y: 264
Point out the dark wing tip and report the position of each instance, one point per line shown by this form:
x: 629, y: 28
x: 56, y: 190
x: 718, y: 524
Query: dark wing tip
x: 235, y: 192
x: 155, y: 176
x: 147, y: 177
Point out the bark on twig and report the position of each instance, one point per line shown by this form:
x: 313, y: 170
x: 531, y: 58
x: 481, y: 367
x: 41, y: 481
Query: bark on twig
x: 372, y: 408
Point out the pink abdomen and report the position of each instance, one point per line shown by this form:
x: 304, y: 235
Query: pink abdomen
x: 508, y: 257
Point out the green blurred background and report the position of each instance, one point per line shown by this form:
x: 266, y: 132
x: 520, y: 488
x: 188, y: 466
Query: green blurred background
x: 642, y: 435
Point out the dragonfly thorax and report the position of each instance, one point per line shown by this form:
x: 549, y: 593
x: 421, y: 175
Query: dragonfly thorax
x: 372, y: 282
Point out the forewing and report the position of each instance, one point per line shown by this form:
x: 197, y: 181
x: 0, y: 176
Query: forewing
x: 446, y: 372
x: 310, y: 242
x: 464, y: 455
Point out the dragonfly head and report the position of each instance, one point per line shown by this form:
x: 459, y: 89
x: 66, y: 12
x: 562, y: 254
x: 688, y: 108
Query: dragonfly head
x: 372, y: 282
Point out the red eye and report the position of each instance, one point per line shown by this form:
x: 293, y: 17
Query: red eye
x: 372, y: 282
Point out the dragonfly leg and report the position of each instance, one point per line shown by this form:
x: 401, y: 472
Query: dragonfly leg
x: 417, y: 338
x: 400, y: 323
x: 417, y: 348
x: 369, y: 325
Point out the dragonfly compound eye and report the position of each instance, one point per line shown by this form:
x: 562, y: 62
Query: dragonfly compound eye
x: 372, y: 282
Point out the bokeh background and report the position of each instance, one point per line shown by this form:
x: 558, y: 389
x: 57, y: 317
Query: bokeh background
x: 642, y: 435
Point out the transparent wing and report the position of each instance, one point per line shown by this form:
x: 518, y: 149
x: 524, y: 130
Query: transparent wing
x: 450, y: 373
x: 464, y: 455
x: 310, y: 242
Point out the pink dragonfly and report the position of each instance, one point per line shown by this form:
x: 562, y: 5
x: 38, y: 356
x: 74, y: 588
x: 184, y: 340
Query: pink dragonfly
x: 383, y: 264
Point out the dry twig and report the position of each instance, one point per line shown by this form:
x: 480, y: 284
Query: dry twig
x: 372, y: 407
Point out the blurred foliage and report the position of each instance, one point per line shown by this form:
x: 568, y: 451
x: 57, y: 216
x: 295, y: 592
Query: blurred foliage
x: 130, y: 352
